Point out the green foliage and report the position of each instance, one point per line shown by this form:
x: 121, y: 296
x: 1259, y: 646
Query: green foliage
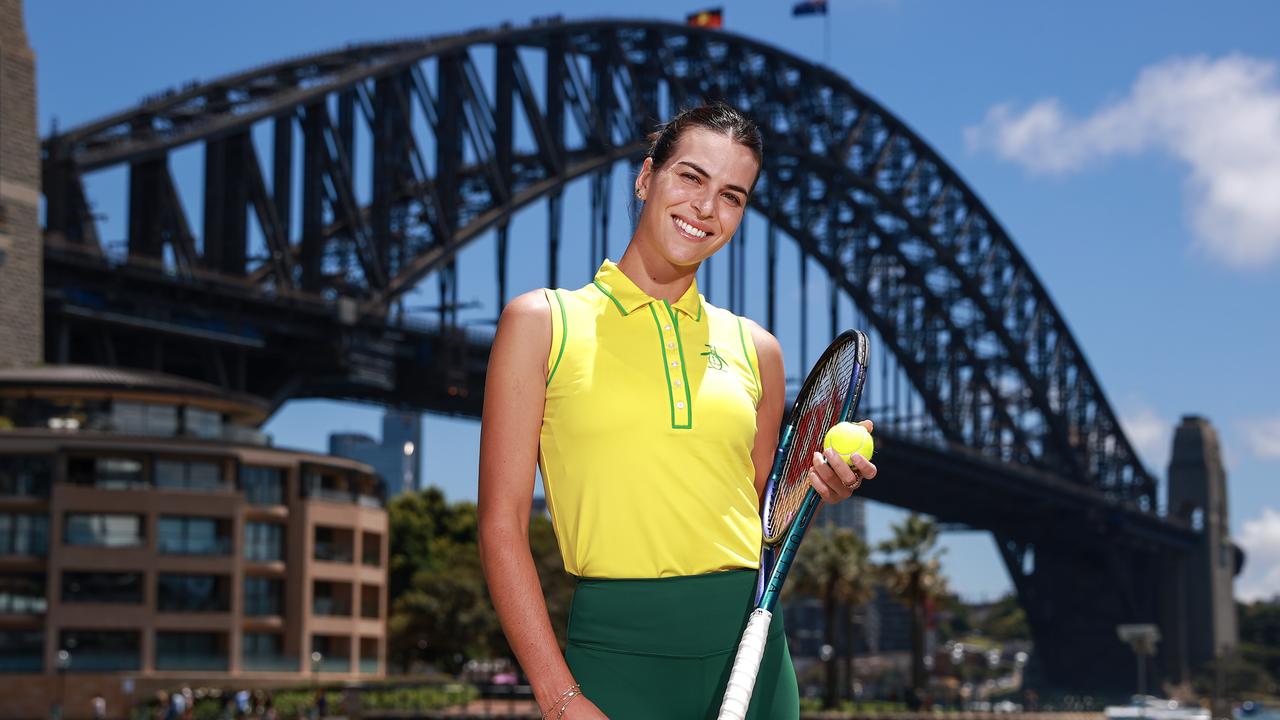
x: 1260, y: 640
x: 913, y: 574
x: 440, y: 607
x: 1005, y: 620
x: 834, y: 568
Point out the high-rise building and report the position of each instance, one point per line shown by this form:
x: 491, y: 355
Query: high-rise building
x: 394, y: 458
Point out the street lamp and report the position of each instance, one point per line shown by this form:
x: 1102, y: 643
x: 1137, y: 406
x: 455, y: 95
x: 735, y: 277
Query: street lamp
x: 316, y: 659
x: 63, y: 663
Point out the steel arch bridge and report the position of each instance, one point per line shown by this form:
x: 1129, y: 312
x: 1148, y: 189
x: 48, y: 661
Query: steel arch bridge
x: 384, y: 161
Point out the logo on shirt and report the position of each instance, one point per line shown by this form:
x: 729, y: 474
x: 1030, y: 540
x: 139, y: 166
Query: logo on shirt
x: 714, y: 360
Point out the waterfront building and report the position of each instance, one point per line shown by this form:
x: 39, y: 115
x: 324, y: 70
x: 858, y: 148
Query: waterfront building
x: 151, y: 537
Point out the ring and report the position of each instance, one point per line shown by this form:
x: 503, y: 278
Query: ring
x: 857, y: 482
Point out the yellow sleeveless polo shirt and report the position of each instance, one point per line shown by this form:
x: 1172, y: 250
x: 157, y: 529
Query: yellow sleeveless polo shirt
x: 647, y: 433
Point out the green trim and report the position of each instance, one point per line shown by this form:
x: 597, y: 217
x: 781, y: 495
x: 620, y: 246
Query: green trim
x: 564, y: 336
x: 666, y: 367
x: 747, y: 354
x: 699, y: 318
x: 610, y: 296
x: 684, y: 373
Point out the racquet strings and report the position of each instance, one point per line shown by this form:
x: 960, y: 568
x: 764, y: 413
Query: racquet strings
x: 813, y: 416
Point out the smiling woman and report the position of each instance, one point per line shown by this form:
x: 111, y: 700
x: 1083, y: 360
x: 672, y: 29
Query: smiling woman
x: 654, y: 418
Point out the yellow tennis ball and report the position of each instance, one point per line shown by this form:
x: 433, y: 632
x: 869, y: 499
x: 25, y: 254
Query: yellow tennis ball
x: 849, y: 438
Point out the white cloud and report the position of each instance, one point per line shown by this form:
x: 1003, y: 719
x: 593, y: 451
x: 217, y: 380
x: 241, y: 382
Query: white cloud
x: 1219, y: 117
x: 1263, y: 437
x: 1260, y: 538
x: 1150, y: 434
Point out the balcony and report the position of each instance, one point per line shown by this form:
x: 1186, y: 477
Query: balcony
x: 368, y: 666
x: 335, y: 664
x: 334, y: 552
x: 22, y: 663
x: 187, y: 662
x: 269, y: 663
x: 105, y: 662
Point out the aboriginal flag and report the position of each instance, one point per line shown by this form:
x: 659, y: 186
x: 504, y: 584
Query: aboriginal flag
x: 809, y: 7
x: 709, y: 18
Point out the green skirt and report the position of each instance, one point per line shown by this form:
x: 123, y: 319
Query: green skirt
x: 663, y: 648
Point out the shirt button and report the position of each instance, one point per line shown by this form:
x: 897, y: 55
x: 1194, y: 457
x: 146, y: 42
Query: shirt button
x: 671, y: 345
x: 677, y: 383
x: 680, y: 405
x: 666, y: 327
x: 675, y: 363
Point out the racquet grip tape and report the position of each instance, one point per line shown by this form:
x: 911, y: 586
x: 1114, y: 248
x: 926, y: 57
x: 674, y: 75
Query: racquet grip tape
x: 742, y: 679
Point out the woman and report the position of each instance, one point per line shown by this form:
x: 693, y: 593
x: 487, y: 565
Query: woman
x: 654, y: 417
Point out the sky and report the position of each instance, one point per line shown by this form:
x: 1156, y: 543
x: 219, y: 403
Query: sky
x: 1131, y: 150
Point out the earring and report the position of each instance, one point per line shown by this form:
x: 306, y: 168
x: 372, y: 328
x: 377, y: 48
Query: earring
x: 638, y: 194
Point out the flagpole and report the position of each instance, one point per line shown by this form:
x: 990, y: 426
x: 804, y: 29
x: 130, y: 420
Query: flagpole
x: 826, y: 36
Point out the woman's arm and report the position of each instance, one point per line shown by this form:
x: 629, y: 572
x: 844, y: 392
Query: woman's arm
x: 514, y: 395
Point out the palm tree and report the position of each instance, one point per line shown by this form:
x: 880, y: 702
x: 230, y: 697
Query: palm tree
x: 834, y: 568
x: 913, y: 574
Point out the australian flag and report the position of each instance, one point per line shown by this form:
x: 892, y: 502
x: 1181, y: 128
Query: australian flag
x: 809, y: 7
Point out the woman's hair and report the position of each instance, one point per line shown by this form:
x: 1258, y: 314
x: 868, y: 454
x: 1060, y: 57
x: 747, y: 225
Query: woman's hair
x: 715, y: 116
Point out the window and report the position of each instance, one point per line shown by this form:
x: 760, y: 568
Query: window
x: 262, y: 596
x: 192, y: 593
x: 25, y: 475
x: 104, y: 530
x: 102, y: 587
x: 107, y: 472
x: 370, y: 607
x: 132, y: 418
x: 24, y: 534
x: 333, y: 545
x: 202, y: 423
x: 335, y: 652
x: 181, y: 535
x: 262, y: 485
x: 102, y: 650
x: 21, y: 651
x: 191, y: 651
x: 371, y: 549
x: 22, y: 593
x: 265, y: 651
x: 331, y: 598
x: 182, y: 475
x: 263, y: 542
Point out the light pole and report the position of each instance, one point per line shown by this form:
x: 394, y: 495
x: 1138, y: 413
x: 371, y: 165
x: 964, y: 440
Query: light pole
x: 63, y: 663
x: 316, y: 659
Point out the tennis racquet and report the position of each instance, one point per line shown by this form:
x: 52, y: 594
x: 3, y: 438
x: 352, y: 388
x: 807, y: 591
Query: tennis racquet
x: 829, y: 395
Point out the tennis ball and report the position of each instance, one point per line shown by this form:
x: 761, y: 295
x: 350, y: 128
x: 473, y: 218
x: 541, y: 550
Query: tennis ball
x: 849, y: 438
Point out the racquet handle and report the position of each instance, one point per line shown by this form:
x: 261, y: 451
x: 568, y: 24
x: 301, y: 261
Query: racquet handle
x: 742, y: 679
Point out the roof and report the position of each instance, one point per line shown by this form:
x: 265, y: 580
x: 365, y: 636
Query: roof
x: 118, y: 379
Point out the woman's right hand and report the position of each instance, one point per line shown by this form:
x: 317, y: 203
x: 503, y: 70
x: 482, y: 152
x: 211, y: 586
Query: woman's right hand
x: 583, y: 709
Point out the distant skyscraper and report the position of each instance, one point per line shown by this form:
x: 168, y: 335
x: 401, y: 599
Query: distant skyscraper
x: 851, y: 513
x: 395, y: 457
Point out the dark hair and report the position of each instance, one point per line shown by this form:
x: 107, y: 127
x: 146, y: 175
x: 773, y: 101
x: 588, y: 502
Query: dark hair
x: 714, y: 116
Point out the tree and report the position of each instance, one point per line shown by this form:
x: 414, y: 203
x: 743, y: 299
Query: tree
x: 913, y: 574
x: 834, y: 568
x: 440, y: 607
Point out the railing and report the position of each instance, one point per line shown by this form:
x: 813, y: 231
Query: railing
x: 368, y: 666
x: 335, y: 664
x: 330, y: 607
x: 220, y: 546
x: 21, y: 663
x: 83, y: 661
x: 269, y: 663
x: 334, y: 552
x: 187, y: 661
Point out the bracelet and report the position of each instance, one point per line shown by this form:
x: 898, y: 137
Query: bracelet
x: 574, y: 688
x: 567, y: 700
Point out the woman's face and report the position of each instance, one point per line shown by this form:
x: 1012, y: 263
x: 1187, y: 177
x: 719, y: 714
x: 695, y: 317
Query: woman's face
x: 694, y: 202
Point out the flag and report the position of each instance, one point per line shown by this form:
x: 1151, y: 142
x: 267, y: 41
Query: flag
x: 709, y: 18
x: 809, y: 7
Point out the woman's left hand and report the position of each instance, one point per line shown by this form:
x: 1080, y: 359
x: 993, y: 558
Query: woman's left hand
x: 836, y: 481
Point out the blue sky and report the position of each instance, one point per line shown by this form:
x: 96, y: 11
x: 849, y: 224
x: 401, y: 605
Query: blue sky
x: 1132, y: 150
